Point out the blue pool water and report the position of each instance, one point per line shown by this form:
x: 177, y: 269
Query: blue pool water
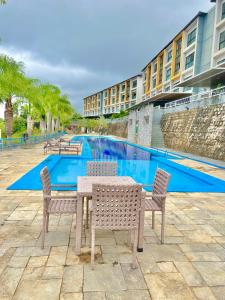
x: 138, y: 162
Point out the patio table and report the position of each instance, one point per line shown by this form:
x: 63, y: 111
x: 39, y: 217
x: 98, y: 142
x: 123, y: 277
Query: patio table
x: 84, y: 189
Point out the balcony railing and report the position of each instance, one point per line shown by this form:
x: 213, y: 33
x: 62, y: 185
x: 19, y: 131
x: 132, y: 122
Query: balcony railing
x: 197, y: 97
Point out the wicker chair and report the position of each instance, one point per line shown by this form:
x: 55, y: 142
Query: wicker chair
x: 156, y: 202
x: 54, y: 204
x: 99, y: 168
x: 115, y: 208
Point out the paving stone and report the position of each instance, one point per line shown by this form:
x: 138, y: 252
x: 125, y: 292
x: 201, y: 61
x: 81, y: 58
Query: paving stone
x: 108, y: 258
x: 219, y: 292
x: 9, y: 281
x: 202, y: 256
x: 105, y: 241
x: 71, y: 296
x: 199, y: 236
x: 55, y: 238
x: 57, y: 256
x: 32, y: 251
x: 195, y: 247
x: 203, y: 293
x: 166, y: 253
x: 167, y: 267
x: 147, y: 262
x: 72, y: 279
x: 38, y: 290
x: 103, y: 278
x: 94, y: 296
x: 212, y: 272
x: 115, y: 249
x: 53, y: 272
x: 129, y: 295
x: 170, y: 286
x: 133, y: 277
x: 18, y: 261
x: 33, y: 273
x: 37, y: 261
x: 191, y: 276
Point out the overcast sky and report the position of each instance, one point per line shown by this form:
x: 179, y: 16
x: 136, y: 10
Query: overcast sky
x: 86, y: 45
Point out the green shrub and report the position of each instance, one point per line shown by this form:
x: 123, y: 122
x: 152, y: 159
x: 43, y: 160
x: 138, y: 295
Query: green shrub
x: 19, y: 125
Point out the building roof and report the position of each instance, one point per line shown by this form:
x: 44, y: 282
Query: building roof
x: 109, y: 87
x: 210, y: 78
x: 200, y: 13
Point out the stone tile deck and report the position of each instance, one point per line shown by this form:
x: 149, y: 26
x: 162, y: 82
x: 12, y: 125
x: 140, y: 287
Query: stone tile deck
x: 190, y: 265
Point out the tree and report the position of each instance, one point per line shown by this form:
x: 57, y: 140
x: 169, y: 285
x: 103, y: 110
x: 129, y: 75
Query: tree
x: 12, y: 81
x: 36, y: 101
x: 2, y: 2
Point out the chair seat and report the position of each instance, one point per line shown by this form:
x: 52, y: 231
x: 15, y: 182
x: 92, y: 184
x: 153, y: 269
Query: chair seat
x: 62, y: 206
x: 151, y: 205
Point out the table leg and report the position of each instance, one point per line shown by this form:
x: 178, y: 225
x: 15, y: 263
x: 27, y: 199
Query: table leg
x: 141, y: 231
x: 79, y: 223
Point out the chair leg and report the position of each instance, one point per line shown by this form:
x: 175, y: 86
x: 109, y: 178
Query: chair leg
x: 43, y: 231
x: 163, y: 228
x: 134, y: 263
x: 87, y: 202
x: 90, y: 236
x: 92, y: 247
x: 153, y: 220
x: 47, y: 222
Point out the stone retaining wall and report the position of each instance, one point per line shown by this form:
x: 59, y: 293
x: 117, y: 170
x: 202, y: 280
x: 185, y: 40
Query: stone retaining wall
x: 119, y: 128
x: 199, y: 131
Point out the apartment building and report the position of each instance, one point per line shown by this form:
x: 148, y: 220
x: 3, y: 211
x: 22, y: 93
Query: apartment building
x: 192, y: 62
x: 114, y: 99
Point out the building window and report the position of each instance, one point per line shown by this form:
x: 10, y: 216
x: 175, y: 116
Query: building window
x: 189, y: 61
x: 223, y: 11
x: 168, y: 74
x: 113, y: 91
x: 155, y: 68
x: 134, y: 84
x: 127, y: 105
x: 106, y: 93
x: 122, y: 98
x: 113, y: 100
x: 222, y: 40
x: 191, y: 37
x: 169, y: 55
x: 122, y: 107
x: 178, y: 55
x: 123, y: 87
x: 133, y: 95
x: 154, y: 83
x: 160, y: 69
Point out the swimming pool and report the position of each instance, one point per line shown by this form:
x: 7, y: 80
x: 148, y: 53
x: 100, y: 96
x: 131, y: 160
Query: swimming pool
x: 136, y: 161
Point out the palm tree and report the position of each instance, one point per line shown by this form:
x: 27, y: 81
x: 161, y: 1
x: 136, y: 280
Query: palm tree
x: 12, y: 81
x: 64, y: 111
x: 45, y: 101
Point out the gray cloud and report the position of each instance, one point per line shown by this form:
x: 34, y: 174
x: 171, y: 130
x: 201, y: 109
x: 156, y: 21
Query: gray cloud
x: 86, y: 45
